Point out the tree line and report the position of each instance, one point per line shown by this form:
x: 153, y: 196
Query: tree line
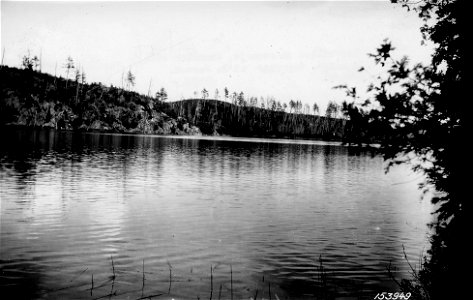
x: 31, y: 98
x: 216, y: 117
x: 333, y: 110
x: 72, y: 103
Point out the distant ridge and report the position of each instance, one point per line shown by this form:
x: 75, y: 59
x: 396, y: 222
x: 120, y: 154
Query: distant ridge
x: 223, y: 118
x: 34, y: 99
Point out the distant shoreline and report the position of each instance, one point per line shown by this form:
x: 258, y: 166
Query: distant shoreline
x: 31, y: 99
x: 246, y: 139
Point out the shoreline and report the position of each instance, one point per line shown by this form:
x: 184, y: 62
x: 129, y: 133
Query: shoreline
x: 248, y: 139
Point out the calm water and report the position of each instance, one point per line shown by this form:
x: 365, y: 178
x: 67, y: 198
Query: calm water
x: 181, y: 206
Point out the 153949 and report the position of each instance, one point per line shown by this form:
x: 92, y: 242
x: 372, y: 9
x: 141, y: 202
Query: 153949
x: 392, y: 296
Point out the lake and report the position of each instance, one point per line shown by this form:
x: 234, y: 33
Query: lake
x: 89, y: 215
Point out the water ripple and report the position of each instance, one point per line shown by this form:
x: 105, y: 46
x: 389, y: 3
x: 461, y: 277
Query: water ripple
x: 75, y: 202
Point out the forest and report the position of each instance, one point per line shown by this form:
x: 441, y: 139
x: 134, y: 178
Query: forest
x: 222, y: 118
x: 419, y: 114
x: 35, y: 99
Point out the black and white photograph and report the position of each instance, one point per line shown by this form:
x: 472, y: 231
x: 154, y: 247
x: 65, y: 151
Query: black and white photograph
x: 234, y: 150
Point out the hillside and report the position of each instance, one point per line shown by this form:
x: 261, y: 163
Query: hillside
x: 223, y: 118
x: 34, y: 99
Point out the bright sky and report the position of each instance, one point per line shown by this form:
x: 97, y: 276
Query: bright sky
x: 289, y: 50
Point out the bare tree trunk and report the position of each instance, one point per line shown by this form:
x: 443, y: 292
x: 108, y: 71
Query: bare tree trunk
x: 55, y: 68
x: 149, y: 88
x: 77, y: 92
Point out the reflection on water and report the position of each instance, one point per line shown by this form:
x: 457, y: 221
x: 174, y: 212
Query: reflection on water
x: 177, y: 206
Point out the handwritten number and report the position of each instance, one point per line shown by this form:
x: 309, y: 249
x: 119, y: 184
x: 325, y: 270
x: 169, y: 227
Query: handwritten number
x: 392, y: 296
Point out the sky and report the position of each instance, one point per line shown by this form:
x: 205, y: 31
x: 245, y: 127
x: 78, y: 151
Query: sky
x: 287, y: 50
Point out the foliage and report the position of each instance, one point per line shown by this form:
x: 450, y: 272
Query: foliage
x: 246, y: 118
x: 315, y: 108
x: 30, y: 62
x: 332, y: 110
x: 41, y: 100
x: 420, y: 116
x: 130, y: 79
x: 205, y: 94
x: 69, y: 66
x: 162, y: 95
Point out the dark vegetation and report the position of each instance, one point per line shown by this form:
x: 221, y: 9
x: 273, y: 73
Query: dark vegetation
x: 216, y: 117
x: 35, y: 99
x: 420, y: 115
